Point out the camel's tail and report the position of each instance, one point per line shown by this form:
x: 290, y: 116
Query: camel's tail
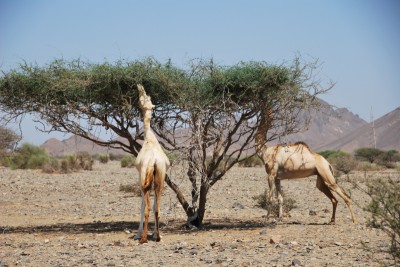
x: 150, y: 174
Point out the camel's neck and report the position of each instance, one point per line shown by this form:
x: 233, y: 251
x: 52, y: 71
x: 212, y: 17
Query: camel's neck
x: 146, y: 120
x: 148, y: 133
x: 261, y: 134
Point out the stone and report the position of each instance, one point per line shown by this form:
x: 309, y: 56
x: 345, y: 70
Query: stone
x: 296, y: 262
x: 275, y: 239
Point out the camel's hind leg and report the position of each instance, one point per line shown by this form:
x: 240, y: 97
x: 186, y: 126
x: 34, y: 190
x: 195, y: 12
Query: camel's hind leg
x: 324, y: 189
x: 325, y: 171
x: 146, y: 182
x: 158, y: 188
x: 346, y: 198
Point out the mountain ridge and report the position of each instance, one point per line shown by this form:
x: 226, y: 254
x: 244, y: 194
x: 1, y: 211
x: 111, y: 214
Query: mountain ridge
x: 329, y: 129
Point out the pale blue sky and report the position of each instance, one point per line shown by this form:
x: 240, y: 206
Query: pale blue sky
x: 357, y: 40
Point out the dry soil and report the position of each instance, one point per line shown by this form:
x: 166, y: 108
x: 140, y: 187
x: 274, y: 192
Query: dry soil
x: 82, y: 219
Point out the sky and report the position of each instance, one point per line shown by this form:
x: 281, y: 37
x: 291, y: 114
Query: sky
x: 357, y: 41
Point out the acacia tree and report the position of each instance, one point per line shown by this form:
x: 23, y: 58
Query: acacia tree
x: 208, y: 113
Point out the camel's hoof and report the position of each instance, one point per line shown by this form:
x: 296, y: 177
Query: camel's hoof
x: 142, y: 241
x: 158, y: 239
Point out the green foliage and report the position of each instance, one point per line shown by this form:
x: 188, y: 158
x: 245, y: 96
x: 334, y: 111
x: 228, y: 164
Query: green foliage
x: 8, y: 139
x: 385, y: 210
x: 368, y: 154
x: 29, y: 157
x: 264, y: 203
x: 330, y: 154
x: 127, y: 161
x: 389, y: 158
x: 103, y: 158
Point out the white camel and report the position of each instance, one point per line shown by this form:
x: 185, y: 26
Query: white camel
x: 296, y: 161
x: 152, y: 165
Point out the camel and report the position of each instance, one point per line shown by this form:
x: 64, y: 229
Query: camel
x: 296, y: 161
x: 152, y: 165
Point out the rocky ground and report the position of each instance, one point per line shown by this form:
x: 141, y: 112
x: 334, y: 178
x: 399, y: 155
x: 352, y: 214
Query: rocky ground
x: 82, y: 219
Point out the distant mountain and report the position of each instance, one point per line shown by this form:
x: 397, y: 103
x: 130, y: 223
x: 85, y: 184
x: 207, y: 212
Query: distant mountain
x: 387, y: 132
x: 327, y: 125
x: 75, y: 144
x: 330, y: 128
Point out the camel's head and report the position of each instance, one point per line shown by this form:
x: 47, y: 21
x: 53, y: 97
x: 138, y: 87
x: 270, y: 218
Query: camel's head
x: 144, y: 100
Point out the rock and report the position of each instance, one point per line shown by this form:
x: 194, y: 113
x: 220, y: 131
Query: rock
x: 194, y: 252
x: 263, y: 232
x: 237, y: 205
x: 312, y: 212
x: 296, y: 262
x: 275, y: 239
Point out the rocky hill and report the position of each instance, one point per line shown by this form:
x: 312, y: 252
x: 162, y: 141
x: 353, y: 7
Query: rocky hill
x: 327, y: 125
x: 74, y: 144
x: 387, y: 135
x: 330, y: 128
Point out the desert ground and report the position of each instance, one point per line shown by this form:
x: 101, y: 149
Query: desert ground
x: 83, y: 219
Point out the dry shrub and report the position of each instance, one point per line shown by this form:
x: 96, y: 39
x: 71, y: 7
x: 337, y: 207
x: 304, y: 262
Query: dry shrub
x: 103, y: 158
x: 131, y: 188
x: 127, y: 161
x: 52, y: 166
x: 385, y: 211
x: 76, y: 162
x: 264, y: 203
x: 253, y: 161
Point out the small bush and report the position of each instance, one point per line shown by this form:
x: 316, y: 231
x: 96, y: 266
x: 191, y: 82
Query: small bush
x: 329, y: 154
x: 385, y: 210
x: 53, y: 166
x: 8, y: 139
x: 388, y: 159
x: 104, y: 158
x: 131, y: 188
x: 116, y: 157
x: 29, y: 157
x: 368, y: 154
x: 344, y: 163
x: 78, y: 161
x: 264, y: 203
x: 253, y: 161
x: 127, y: 161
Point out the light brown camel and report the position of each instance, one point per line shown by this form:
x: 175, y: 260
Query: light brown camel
x: 152, y: 165
x: 296, y: 161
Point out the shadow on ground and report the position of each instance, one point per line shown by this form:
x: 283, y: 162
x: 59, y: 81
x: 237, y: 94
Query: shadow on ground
x: 120, y: 226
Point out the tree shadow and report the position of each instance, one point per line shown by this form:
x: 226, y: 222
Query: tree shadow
x: 176, y: 226
x: 72, y: 228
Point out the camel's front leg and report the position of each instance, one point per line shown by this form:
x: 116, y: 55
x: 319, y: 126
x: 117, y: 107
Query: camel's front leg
x: 279, y: 196
x: 270, y: 194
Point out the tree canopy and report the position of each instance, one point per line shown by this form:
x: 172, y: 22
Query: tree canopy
x: 206, y: 112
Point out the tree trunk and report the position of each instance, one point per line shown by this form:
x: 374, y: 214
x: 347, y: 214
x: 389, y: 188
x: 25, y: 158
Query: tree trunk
x: 186, y: 207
